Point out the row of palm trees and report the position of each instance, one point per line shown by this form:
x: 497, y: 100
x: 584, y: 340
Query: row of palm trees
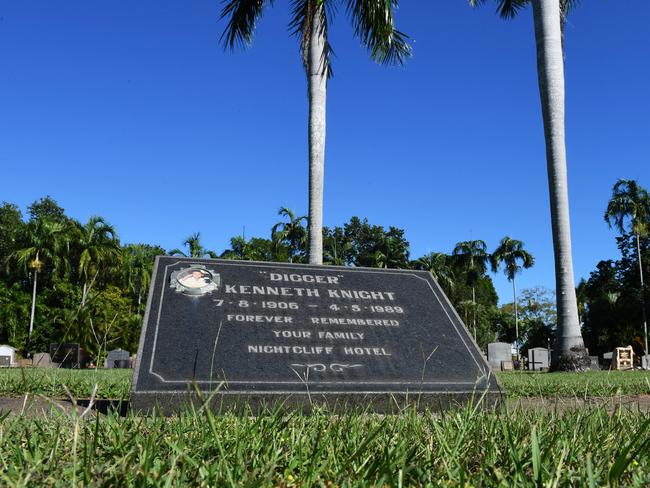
x: 373, y: 24
x: 472, y: 258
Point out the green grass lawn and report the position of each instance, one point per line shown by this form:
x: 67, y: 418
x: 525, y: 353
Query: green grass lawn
x: 464, y: 447
x: 590, y: 384
x: 112, y: 383
x: 115, y: 383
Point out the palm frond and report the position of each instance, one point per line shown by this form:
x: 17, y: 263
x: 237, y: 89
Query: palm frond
x: 301, y: 26
x: 374, y: 25
x: 507, y: 9
x: 242, y: 18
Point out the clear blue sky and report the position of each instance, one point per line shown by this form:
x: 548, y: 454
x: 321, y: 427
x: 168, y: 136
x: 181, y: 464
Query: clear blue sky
x: 113, y: 107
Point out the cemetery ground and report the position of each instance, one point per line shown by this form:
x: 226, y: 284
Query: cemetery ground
x: 589, y: 445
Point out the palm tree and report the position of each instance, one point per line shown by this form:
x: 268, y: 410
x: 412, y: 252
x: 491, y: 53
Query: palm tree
x: 137, y: 266
x: 373, y: 24
x: 336, y: 247
x: 291, y: 234
x: 390, y: 254
x: 437, y: 263
x: 48, y: 245
x: 472, y: 257
x: 195, y: 249
x: 630, y: 204
x: 510, y: 253
x: 99, y: 247
x: 548, y: 16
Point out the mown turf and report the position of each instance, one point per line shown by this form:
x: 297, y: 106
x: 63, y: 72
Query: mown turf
x: 588, y: 384
x: 466, y: 447
x: 116, y: 383
x: 111, y: 383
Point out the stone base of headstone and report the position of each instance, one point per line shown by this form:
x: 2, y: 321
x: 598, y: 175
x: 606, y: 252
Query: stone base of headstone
x: 25, y: 363
x: 254, y: 404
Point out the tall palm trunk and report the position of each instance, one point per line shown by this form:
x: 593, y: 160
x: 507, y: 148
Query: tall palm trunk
x: 514, y: 298
x: 569, y: 346
x: 317, y: 83
x: 474, y: 312
x: 643, y: 313
x: 31, y: 316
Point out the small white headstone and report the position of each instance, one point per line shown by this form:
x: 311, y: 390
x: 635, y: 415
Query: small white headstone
x: 8, y: 352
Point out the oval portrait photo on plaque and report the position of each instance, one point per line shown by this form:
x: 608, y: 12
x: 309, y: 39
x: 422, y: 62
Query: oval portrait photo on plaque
x: 195, y: 280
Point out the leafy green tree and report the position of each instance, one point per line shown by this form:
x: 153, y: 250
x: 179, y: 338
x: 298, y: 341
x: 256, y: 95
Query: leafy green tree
x: 255, y: 249
x: 14, y: 314
x: 373, y: 24
x: 440, y: 266
x: 47, y: 209
x: 629, y: 207
x: 194, y: 248
x: 12, y: 228
x: 46, y: 242
x: 611, y: 298
x: 373, y: 246
x: 290, y: 235
x: 336, y: 248
x: 511, y: 254
x: 548, y: 18
x: 472, y: 258
x: 538, y: 317
x: 391, y: 252
x: 107, y: 321
x: 99, y: 248
x: 47, y: 248
x: 136, y: 269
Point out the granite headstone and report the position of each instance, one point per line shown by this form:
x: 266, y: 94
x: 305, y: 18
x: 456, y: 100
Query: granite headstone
x: 66, y: 355
x: 5, y: 361
x: 594, y: 363
x: 537, y: 358
x: 607, y: 360
x: 118, y: 358
x: 258, y: 333
x: 498, y: 352
x: 42, y: 360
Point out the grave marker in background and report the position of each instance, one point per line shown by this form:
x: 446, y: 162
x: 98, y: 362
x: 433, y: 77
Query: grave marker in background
x: 112, y: 358
x: 7, y: 355
x: 538, y: 359
x: 258, y: 333
x: 42, y: 360
x: 497, y: 353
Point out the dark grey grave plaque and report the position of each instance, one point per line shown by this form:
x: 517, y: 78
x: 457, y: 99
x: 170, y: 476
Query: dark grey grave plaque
x: 66, y: 355
x: 5, y: 361
x: 259, y: 333
x: 118, y: 358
